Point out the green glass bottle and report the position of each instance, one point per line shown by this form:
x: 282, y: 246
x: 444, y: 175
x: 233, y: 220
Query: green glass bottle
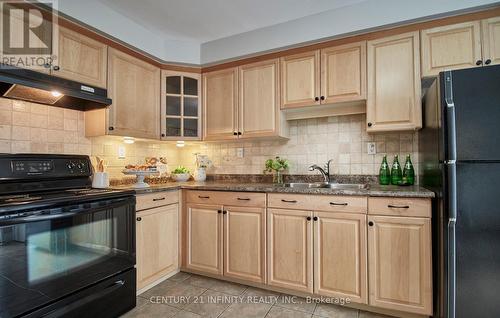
x: 384, y: 174
x: 396, y: 173
x: 409, y: 171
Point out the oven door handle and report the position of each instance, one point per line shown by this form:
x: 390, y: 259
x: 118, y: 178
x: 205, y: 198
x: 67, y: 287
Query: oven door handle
x: 38, y: 218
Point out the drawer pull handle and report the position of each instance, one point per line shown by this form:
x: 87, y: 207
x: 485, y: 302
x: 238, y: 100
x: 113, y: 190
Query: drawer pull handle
x: 159, y: 199
x: 202, y: 197
x: 398, y: 206
x: 244, y: 199
x: 139, y: 219
x: 334, y: 203
x: 288, y: 201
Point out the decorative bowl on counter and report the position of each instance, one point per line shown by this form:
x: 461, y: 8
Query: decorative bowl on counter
x: 181, y: 177
x: 140, y: 174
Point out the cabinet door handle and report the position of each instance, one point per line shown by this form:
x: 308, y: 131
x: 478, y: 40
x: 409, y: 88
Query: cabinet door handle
x: 224, y: 212
x: 139, y: 219
x: 334, y: 203
x: 159, y: 199
x: 244, y: 199
x: 398, y: 206
x: 111, y: 128
x: 322, y: 97
x: 235, y: 133
x: 219, y: 211
x: 203, y: 197
x: 370, y: 124
x: 487, y: 62
x: 56, y: 68
x: 308, y: 218
x: 370, y: 223
x: 479, y: 62
x: 289, y: 201
x: 315, y: 218
x: 239, y: 132
x: 316, y: 98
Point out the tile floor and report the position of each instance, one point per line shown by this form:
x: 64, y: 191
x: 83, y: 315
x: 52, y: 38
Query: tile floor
x: 192, y: 296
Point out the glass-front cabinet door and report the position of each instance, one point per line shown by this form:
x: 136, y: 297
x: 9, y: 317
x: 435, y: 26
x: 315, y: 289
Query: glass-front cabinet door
x: 180, y: 106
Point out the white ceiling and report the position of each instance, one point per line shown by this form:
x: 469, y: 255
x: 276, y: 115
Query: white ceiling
x: 209, y: 31
x: 207, y: 20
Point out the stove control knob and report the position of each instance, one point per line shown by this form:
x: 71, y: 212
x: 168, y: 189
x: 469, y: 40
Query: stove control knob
x: 79, y: 166
x: 70, y: 165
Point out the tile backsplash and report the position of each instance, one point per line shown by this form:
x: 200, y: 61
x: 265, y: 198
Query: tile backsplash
x: 29, y: 127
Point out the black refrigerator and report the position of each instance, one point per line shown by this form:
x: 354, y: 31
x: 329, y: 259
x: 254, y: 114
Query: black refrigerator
x: 459, y: 149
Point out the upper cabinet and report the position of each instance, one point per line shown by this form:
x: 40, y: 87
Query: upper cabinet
x: 180, y: 106
x: 394, y: 84
x: 81, y: 59
x: 343, y: 73
x: 220, y: 100
x: 331, y: 75
x: 243, y: 102
x: 462, y: 45
x: 300, y: 78
x: 134, y: 87
x: 451, y: 47
x: 491, y: 40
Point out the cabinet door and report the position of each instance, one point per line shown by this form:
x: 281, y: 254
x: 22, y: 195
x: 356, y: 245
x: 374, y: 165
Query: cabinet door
x: 220, y: 91
x: 204, y: 238
x: 300, y: 76
x: 343, y: 73
x: 81, y: 59
x: 157, y: 243
x: 394, y: 84
x: 244, y: 243
x: 289, y: 246
x: 259, y: 99
x: 491, y: 41
x: 399, y: 262
x: 134, y: 87
x: 180, y: 106
x: 340, y: 256
x: 450, y: 47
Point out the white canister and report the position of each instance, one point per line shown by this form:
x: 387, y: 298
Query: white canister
x: 100, y: 180
x: 201, y: 174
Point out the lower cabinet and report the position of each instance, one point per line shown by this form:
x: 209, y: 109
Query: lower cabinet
x: 204, y: 238
x: 226, y: 240
x: 340, y: 255
x: 157, y: 243
x: 399, y: 262
x: 289, y: 244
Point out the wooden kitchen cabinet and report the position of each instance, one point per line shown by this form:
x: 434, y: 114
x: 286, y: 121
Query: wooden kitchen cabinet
x: 400, y: 263
x: 134, y: 87
x: 220, y: 100
x: 157, y: 243
x: 204, y: 238
x: 343, y: 73
x: 491, y: 40
x: 300, y: 80
x: 340, y: 256
x: 259, y: 113
x: 393, y: 102
x: 453, y: 46
x: 81, y: 59
x: 244, y: 243
x: 290, y: 252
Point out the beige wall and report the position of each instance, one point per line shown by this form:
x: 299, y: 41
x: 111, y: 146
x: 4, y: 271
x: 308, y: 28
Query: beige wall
x: 314, y: 141
x: 28, y: 127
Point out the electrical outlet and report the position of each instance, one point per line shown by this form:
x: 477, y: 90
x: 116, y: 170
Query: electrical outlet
x: 370, y: 148
x: 121, y: 152
x: 239, y: 152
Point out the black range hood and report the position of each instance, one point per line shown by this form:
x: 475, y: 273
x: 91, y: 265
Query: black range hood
x: 28, y: 85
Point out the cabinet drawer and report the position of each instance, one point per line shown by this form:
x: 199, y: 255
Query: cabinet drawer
x: 226, y: 198
x: 419, y: 207
x: 153, y: 200
x: 340, y: 203
x: 291, y: 201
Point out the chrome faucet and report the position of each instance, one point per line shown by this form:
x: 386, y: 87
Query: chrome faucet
x: 325, y: 171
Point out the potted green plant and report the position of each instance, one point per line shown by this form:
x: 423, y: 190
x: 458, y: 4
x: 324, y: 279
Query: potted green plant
x: 276, y: 166
x: 181, y: 174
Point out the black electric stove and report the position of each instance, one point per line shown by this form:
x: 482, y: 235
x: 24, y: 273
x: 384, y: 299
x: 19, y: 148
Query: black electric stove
x: 66, y: 250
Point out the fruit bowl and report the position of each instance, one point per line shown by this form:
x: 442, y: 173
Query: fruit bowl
x: 181, y: 177
x: 140, y: 174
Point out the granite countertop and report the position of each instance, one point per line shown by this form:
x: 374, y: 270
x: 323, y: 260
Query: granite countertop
x: 374, y: 190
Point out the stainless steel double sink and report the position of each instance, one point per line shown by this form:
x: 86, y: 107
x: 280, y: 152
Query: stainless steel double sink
x: 327, y: 185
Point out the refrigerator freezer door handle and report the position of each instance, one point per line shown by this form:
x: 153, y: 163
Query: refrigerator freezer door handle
x: 451, y: 292
x: 450, y: 116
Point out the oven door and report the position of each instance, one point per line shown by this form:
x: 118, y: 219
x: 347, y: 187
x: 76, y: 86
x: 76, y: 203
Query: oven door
x: 50, y: 253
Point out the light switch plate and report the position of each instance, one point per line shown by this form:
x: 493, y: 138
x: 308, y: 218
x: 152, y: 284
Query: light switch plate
x: 371, y: 148
x: 239, y: 152
x: 121, y: 152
